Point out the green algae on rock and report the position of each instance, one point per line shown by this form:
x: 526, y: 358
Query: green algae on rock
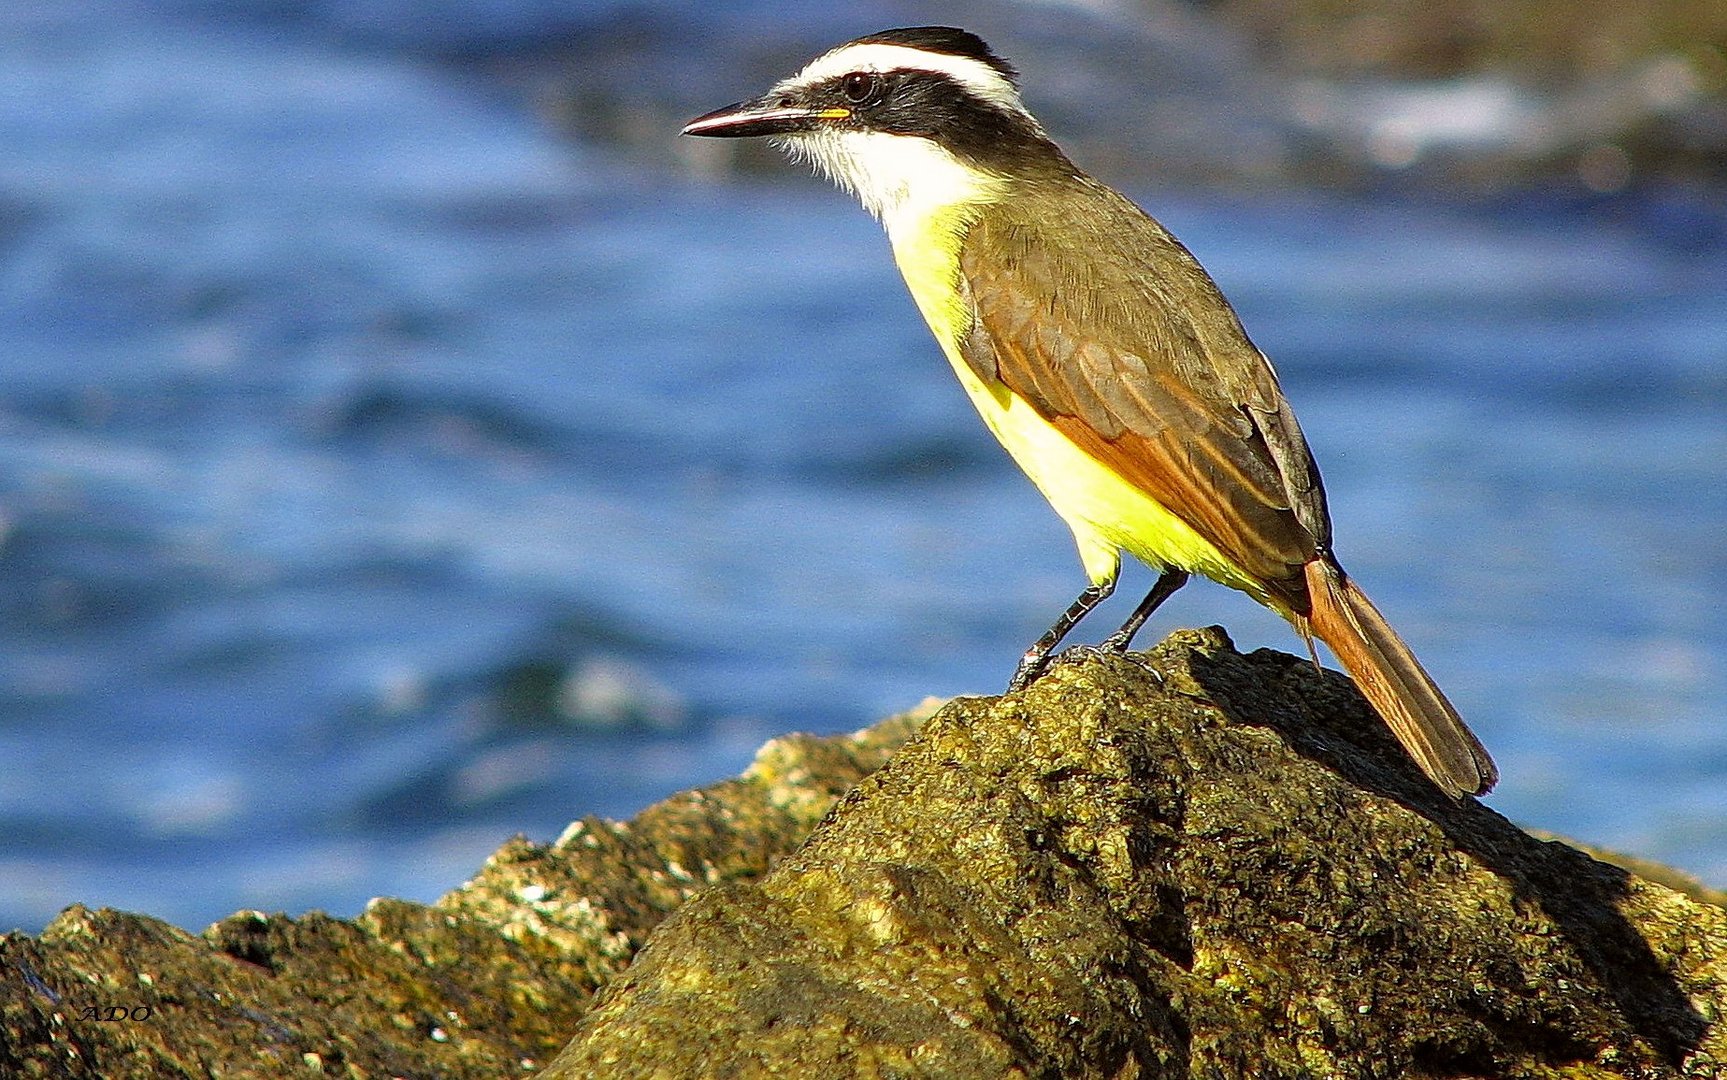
x: 487, y: 982
x: 1186, y: 863
x: 1199, y: 864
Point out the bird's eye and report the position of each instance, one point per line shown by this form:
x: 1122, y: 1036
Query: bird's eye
x: 861, y: 86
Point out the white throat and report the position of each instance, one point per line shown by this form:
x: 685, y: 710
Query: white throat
x: 901, y: 179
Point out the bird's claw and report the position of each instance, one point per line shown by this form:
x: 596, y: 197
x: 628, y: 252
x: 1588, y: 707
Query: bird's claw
x: 1033, y: 665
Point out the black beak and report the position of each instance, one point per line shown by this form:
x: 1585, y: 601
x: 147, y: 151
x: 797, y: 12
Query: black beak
x: 769, y: 115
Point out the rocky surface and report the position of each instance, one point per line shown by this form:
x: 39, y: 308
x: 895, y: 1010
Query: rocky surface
x: 1221, y: 866
x: 487, y: 982
x: 1191, y: 863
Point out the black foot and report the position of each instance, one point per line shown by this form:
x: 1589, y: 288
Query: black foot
x: 1031, y: 665
x: 1029, y: 672
x: 1076, y: 654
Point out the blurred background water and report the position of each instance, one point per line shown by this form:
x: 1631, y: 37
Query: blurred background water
x: 405, y: 442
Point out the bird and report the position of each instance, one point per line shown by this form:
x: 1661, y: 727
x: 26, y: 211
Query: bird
x: 1100, y: 353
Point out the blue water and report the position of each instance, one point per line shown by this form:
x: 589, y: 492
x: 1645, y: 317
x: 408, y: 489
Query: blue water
x: 383, y: 474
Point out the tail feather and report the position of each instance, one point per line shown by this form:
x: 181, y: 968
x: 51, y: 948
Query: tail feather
x: 1396, y: 684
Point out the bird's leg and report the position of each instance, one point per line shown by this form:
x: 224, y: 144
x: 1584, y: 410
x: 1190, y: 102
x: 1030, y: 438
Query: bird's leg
x: 1031, y: 665
x: 1164, y: 588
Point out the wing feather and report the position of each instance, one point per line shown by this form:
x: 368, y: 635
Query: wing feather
x: 1115, y: 335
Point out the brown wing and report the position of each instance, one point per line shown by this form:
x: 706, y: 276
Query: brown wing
x: 1113, y: 332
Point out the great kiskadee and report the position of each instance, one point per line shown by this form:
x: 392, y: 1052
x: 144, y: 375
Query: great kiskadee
x: 1099, y: 352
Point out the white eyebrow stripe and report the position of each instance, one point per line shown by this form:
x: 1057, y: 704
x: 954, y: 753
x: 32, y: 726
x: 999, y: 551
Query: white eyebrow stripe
x: 975, y: 75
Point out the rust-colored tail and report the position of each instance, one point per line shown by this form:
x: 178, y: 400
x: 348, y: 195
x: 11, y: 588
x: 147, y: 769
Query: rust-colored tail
x: 1394, y: 681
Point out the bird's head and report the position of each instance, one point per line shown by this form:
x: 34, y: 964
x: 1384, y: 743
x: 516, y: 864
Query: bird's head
x: 922, y: 117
